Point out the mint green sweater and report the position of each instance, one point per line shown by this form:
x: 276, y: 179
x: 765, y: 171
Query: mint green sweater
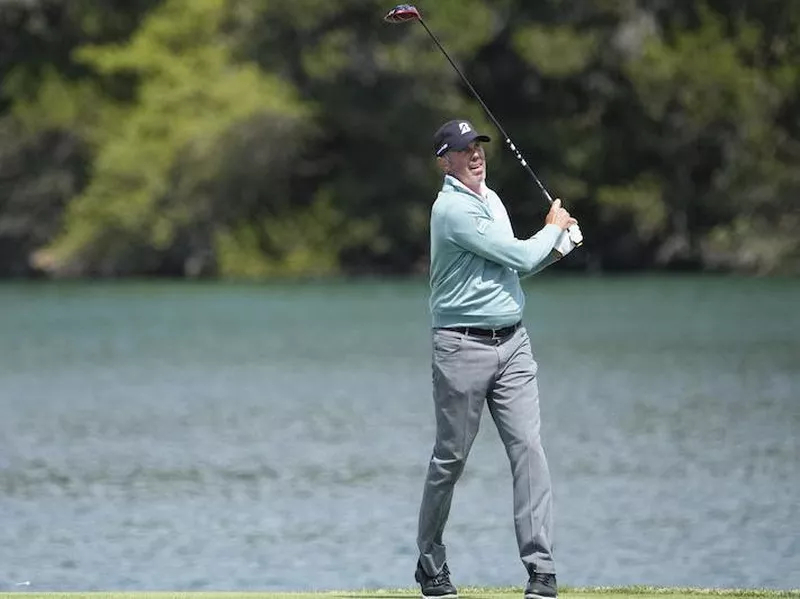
x: 476, y: 261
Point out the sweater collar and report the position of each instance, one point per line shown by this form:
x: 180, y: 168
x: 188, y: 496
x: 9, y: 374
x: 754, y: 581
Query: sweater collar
x: 454, y: 182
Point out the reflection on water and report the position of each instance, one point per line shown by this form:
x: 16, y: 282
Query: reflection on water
x: 275, y: 437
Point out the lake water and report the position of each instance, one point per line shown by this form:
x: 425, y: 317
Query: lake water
x: 246, y: 437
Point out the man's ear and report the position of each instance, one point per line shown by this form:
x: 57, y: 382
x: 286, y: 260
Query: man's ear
x: 444, y: 163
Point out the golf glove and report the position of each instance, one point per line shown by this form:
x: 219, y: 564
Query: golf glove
x: 569, y: 240
x: 575, y: 235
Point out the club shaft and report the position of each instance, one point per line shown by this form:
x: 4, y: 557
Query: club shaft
x: 497, y: 124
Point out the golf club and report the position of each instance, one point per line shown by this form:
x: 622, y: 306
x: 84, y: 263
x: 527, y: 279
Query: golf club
x: 403, y: 13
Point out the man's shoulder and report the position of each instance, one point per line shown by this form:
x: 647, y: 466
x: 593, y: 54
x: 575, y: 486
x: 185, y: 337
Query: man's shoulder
x: 491, y: 194
x: 496, y: 203
x: 445, y: 200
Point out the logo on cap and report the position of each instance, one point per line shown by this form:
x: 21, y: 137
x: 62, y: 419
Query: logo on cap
x: 464, y: 128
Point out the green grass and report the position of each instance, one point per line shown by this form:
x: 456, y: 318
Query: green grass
x: 640, y: 592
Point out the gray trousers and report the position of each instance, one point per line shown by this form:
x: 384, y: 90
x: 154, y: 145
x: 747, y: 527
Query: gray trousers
x: 469, y: 372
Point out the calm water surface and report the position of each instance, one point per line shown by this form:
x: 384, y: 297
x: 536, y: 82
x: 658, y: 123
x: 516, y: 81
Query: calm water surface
x: 200, y: 436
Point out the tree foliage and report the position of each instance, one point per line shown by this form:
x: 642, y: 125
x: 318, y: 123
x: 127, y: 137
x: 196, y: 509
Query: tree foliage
x: 257, y: 138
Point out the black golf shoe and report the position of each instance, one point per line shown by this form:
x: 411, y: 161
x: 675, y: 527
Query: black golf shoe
x: 541, y: 586
x: 435, y: 587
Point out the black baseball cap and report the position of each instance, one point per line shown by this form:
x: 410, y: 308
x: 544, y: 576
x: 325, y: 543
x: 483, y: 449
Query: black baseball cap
x: 455, y: 135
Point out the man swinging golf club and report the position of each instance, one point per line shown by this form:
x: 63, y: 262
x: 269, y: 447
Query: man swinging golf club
x: 482, y: 355
x: 481, y: 351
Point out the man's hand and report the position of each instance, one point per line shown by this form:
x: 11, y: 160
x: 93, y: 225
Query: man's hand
x: 559, y: 216
x: 568, y: 241
x: 571, y: 235
x: 575, y: 234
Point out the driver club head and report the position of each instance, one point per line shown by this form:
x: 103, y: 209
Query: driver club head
x: 403, y: 13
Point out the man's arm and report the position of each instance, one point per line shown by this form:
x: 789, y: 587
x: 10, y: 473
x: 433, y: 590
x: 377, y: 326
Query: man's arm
x: 552, y: 258
x: 469, y: 228
x: 567, y: 241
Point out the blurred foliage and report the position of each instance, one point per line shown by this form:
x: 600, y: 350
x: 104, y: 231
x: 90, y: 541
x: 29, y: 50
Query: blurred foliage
x: 257, y: 138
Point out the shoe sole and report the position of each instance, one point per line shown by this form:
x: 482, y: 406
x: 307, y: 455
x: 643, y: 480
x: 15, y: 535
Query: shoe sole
x: 538, y: 596
x: 449, y: 596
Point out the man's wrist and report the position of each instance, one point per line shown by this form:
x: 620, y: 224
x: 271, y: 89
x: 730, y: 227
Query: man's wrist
x: 553, y: 227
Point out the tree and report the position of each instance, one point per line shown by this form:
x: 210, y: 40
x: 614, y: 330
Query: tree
x: 261, y: 138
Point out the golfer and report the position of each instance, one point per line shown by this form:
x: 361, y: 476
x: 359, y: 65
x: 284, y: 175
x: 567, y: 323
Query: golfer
x: 482, y: 354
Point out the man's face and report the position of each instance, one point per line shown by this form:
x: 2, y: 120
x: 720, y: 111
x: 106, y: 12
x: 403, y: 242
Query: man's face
x: 468, y: 166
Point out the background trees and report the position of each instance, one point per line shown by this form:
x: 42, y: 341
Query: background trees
x: 257, y: 138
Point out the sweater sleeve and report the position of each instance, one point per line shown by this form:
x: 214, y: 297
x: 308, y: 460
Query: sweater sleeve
x: 475, y: 232
x: 551, y: 258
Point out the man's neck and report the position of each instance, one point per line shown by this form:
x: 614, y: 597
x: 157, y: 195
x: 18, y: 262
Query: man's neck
x: 481, y: 187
